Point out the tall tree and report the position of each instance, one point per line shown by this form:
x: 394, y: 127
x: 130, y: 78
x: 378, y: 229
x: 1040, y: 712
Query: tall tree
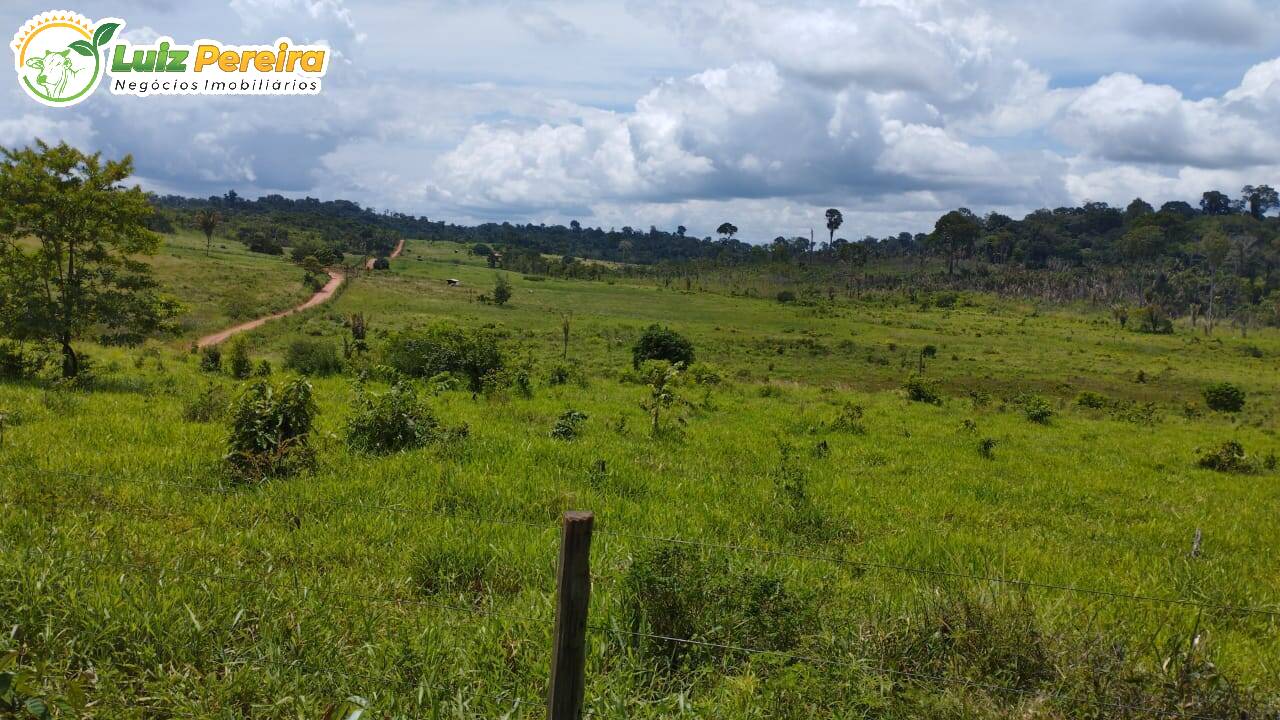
x: 1213, y: 202
x: 69, y: 235
x: 957, y: 230
x: 1260, y: 199
x: 834, y: 221
x: 1215, y: 248
x: 207, y: 220
x: 728, y: 230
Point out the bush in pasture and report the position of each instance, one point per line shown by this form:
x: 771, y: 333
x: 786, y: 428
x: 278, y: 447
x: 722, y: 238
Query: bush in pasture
x: 1093, y: 400
x: 207, y: 405
x: 662, y: 343
x: 271, y: 431
x: 239, y: 364
x: 922, y: 389
x: 314, y: 282
x: 1152, y: 320
x: 786, y: 296
x: 513, y: 376
x: 661, y: 378
x: 382, y: 263
x: 1224, y: 397
x: 16, y: 363
x: 501, y: 290
x: 674, y: 591
x: 979, y: 398
x: 445, y: 347
x: 849, y: 420
x: 1036, y: 409
x: 390, y: 422
x: 1229, y: 457
x: 312, y: 357
x: 211, y: 359
x: 987, y: 448
x: 568, y: 424
x: 704, y: 374
x: 559, y: 375
x: 262, y: 369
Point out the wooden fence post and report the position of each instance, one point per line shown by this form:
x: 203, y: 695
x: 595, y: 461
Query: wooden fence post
x: 573, y: 594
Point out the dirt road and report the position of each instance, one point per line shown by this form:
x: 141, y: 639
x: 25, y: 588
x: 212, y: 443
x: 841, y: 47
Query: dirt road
x: 322, y: 295
x: 368, y: 264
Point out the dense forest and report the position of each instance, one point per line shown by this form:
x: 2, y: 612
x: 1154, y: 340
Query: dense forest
x: 1217, y: 259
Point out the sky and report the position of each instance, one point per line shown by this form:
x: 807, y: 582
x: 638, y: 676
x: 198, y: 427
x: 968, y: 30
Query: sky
x: 692, y: 112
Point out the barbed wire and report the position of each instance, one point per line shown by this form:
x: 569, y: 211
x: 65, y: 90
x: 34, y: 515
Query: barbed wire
x: 952, y: 574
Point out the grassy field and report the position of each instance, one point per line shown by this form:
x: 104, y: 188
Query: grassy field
x: 230, y: 286
x: 135, y: 575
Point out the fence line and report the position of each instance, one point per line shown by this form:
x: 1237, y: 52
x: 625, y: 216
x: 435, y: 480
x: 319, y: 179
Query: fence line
x: 264, y: 582
x: 890, y: 671
x: 877, y: 565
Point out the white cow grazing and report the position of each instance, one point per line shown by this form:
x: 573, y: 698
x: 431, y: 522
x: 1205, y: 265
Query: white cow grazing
x: 55, y: 70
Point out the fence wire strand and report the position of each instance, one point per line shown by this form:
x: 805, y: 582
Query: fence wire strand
x: 953, y: 574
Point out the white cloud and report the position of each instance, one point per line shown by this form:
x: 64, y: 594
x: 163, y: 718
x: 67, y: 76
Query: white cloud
x: 1124, y: 119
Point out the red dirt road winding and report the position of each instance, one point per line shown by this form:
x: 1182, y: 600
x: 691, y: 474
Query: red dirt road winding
x: 322, y: 295
x: 368, y: 264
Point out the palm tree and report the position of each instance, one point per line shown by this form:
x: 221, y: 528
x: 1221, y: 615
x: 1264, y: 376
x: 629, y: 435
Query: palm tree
x: 207, y: 220
x: 834, y: 221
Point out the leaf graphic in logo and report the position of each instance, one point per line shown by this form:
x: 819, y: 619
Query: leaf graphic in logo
x: 103, y: 34
x: 83, y: 47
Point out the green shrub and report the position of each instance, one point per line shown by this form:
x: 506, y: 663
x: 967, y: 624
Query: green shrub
x: 1036, y: 409
x: 501, y: 290
x: 786, y: 296
x: 849, y: 420
x: 445, y: 347
x: 312, y: 357
x: 1153, y: 320
x: 1093, y: 400
x: 239, y: 365
x: 704, y: 374
x: 211, y: 359
x: 382, y: 263
x: 207, y: 405
x: 271, y: 431
x: 263, y: 369
x: 1229, y: 457
x: 922, y: 389
x: 15, y: 362
x: 662, y: 343
x: 568, y: 424
x: 559, y: 375
x: 1224, y: 397
x: 987, y: 448
x: 384, y: 423
x: 673, y: 591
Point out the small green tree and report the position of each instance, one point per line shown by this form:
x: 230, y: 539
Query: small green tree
x: 661, y: 378
x: 82, y: 272
x: 271, y: 430
x: 207, y: 219
x: 241, y: 367
x: 501, y: 290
